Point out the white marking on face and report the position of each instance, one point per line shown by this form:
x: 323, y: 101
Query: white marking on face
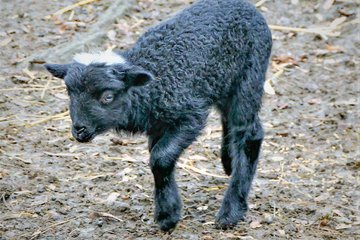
x: 107, y: 57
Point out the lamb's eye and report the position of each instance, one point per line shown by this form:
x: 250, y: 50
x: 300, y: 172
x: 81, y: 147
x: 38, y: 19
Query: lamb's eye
x: 107, y: 97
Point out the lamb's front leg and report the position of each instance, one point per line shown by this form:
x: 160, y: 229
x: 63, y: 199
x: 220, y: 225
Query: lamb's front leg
x: 164, y: 151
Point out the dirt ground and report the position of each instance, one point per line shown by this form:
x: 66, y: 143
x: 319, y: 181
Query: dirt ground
x: 308, y: 181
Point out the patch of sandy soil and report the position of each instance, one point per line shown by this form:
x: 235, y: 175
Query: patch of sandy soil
x: 307, y: 184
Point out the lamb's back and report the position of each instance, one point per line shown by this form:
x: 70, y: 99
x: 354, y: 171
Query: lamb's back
x: 198, y: 52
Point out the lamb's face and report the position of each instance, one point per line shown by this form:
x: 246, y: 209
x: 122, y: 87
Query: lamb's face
x: 98, y: 100
x: 99, y: 96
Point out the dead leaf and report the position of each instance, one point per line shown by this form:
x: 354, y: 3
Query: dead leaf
x: 277, y: 158
x: 304, y: 58
x: 338, y: 21
x: 197, y: 157
x: 52, y: 187
x: 285, y: 59
x: 281, y: 232
x: 20, y: 79
x: 202, y: 208
x: 284, y: 134
x: 25, y: 29
x: 322, y: 197
x: 29, y: 73
x: 255, y: 224
x: 342, y: 226
x: 5, y: 42
x: 314, y: 101
x: 330, y: 49
x: 61, y: 96
x: 268, y: 88
x: 207, y: 237
x: 126, y: 171
x: 39, y: 200
x: 335, y: 49
x: 284, y: 106
x: 111, y: 35
x: 26, y: 161
x: 344, y: 13
x: 338, y: 212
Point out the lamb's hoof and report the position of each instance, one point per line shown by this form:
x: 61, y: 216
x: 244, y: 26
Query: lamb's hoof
x: 228, y: 221
x: 167, y: 222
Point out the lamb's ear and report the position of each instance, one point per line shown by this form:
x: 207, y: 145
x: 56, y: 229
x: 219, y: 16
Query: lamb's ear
x: 57, y: 70
x: 136, y: 76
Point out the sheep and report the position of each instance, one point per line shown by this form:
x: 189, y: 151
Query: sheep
x: 214, y: 53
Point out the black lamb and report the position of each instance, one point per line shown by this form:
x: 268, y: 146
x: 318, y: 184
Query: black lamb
x: 213, y: 53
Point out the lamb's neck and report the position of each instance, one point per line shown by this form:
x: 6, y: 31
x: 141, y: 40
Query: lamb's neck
x: 139, y: 117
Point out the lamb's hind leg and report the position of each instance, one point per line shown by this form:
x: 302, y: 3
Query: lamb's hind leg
x: 245, y: 136
x: 225, y: 154
x: 245, y: 143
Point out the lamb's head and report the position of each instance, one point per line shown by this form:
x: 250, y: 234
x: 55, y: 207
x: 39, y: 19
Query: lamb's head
x: 99, y: 88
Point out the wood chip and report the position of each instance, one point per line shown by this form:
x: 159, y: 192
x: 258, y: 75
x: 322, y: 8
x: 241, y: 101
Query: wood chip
x: 5, y: 42
x: 328, y: 4
x: 112, y: 198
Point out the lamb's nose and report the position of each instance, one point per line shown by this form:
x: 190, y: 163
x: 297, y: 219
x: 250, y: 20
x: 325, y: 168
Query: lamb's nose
x: 80, y: 129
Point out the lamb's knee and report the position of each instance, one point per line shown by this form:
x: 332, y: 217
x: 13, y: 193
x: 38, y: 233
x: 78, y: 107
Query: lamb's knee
x: 257, y: 131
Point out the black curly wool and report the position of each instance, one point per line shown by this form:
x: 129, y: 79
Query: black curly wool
x: 214, y: 53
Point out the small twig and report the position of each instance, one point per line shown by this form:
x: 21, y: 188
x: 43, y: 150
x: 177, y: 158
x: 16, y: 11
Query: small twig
x: 125, y: 158
x: 108, y: 215
x: 197, y: 170
x: 277, y: 74
x: 60, y: 115
x: 2, y: 119
x: 295, y: 187
x: 329, y: 31
x: 259, y: 3
x: 90, y: 177
x: 45, y: 88
x: 5, y: 202
x: 63, y: 154
x: 28, y: 89
x: 347, y: 208
x: 38, y: 233
x: 208, y: 223
x: 69, y: 8
x: 192, y: 174
x: 30, y: 74
x: 8, y: 165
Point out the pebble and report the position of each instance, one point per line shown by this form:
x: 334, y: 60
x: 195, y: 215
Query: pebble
x: 100, y: 222
x: 54, y: 215
x: 75, y: 233
x: 268, y: 218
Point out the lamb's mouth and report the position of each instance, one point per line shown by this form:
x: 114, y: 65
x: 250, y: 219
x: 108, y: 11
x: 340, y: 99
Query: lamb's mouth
x: 83, y: 138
